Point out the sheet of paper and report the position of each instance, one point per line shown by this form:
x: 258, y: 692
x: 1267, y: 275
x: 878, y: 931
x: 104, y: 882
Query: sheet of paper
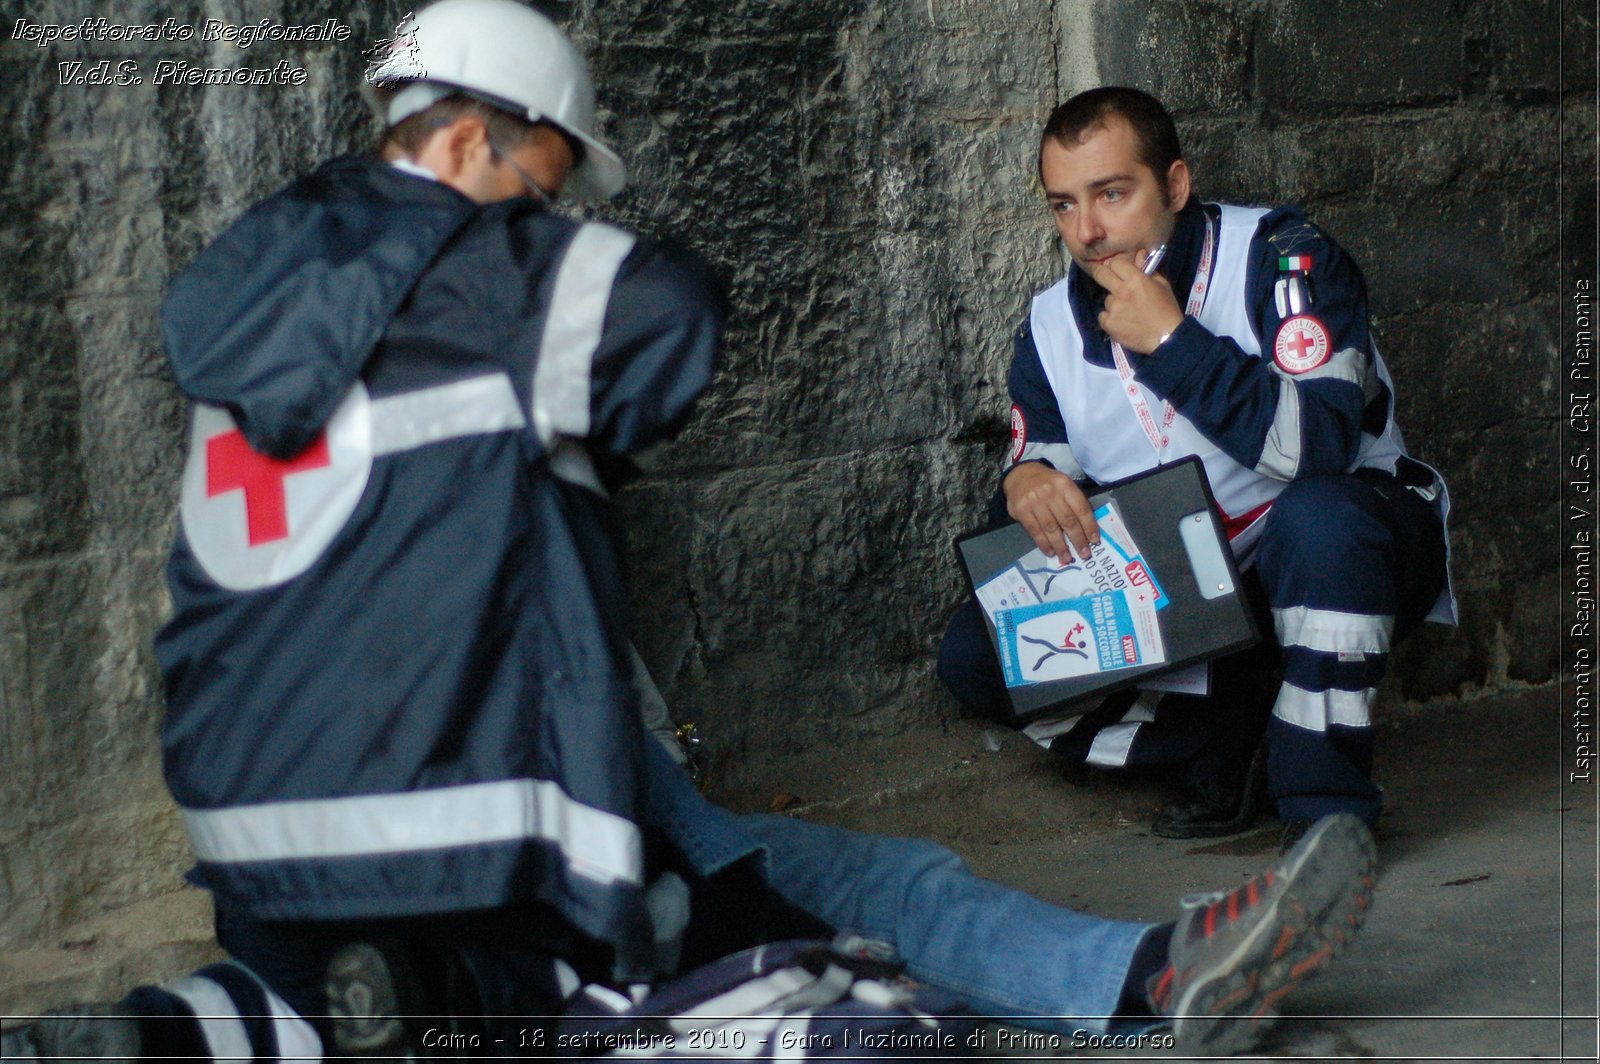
x: 1007, y: 591
x: 1195, y: 680
x: 1077, y: 636
x: 1114, y: 564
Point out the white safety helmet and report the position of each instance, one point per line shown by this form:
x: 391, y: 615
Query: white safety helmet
x: 507, y: 55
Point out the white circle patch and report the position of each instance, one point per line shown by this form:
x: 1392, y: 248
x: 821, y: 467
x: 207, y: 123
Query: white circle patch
x: 254, y: 521
x: 1019, y: 433
x: 1302, y: 344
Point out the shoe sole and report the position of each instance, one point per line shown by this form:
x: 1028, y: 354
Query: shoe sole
x: 364, y: 1005
x: 1311, y: 921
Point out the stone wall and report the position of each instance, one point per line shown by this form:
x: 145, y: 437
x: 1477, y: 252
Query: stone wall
x: 861, y: 173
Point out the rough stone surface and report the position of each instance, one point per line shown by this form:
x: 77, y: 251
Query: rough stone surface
x: 861, y: 173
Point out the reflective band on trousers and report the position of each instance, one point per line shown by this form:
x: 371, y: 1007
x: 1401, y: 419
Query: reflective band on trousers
x: 1316, y: 710
x: 1331, y: 631
x: 598, y: 845
x: 1112, y: 744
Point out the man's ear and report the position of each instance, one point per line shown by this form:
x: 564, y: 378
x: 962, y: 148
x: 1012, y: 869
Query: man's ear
x: 1178, y: 182
x: 467, y: 137
x: 451, y: 147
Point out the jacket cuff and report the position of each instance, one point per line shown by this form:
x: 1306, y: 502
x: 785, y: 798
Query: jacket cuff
x: 1165, y: 370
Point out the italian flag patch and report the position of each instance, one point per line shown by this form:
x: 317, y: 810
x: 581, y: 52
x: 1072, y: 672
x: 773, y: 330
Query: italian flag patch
x: 1294, y: 264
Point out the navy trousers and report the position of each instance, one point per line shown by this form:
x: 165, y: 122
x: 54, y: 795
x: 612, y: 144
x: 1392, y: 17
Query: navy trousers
x: 1347, y: 564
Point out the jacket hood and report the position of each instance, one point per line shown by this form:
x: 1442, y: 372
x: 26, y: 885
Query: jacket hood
x: 276, y: 319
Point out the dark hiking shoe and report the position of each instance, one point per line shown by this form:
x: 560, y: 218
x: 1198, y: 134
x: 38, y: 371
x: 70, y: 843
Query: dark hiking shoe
x: 1226, y: 804
x: 1235, y: 954
x: 103, y: 1031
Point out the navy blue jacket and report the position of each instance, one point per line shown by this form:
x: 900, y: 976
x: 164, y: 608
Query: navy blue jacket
x: 396, y: 669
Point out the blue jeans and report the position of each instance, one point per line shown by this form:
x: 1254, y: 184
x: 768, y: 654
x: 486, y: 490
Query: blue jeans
x: 1009, y: 955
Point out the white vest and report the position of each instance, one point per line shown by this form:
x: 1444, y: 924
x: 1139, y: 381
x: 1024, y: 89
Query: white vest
x: 1106, y: 436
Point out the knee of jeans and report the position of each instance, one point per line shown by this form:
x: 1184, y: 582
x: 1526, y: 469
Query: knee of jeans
x: 927, y: 870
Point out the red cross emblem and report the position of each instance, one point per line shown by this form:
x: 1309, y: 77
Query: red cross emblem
x: 1019, y: 432
x: 254, y: 521
x: 1302, y: 344
x: 233, y: 465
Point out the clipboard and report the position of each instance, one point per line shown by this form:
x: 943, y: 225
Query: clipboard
x: 1173, y: 521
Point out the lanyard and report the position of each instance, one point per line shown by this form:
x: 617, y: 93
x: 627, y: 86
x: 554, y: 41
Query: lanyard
x: 1158, y: 437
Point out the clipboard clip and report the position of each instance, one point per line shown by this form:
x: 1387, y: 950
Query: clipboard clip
x: 1204, y: 543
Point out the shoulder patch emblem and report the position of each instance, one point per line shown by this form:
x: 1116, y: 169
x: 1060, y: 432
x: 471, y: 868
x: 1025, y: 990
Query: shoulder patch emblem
x: 1019, y: 433
x: 1302, y: 344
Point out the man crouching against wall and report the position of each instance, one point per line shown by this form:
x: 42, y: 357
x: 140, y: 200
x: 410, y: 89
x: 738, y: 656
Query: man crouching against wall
x: 1248, y: 346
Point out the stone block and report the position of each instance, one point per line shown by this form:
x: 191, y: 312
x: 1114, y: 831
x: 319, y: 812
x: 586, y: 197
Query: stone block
x: 611, y: 22
x: 43, y: 493
x: 863, y: 542
x: 977, y: 76
x: 1505, y: 513
x: 91, y: 825
x: 1447, y: 251
x: 1356, y: 53
x: 1195, y: 57
x: 1451, y: 364
x: 48, y: 615
x: 980, y: 16
x: 1236, y: 160
x: 100, y: 957
x: 1531, y: 627
x: 134, y: 457
x: 1577, y: 54
x: 1438, y: 661
x: 1515, y: 49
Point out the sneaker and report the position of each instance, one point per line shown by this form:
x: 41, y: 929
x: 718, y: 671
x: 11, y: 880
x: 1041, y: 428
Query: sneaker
x: 102, y: 1031
x: 1235, y: 954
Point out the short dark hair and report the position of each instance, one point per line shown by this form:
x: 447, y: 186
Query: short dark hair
x: 412, y: 132
x: 1072, y: 121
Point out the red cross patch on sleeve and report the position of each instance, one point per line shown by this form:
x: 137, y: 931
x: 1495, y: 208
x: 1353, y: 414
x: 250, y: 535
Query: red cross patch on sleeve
x: 1302, y: 344
x: 1019, y: 433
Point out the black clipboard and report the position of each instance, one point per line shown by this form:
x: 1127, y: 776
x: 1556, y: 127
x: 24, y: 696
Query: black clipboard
x: 1173, y: 519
